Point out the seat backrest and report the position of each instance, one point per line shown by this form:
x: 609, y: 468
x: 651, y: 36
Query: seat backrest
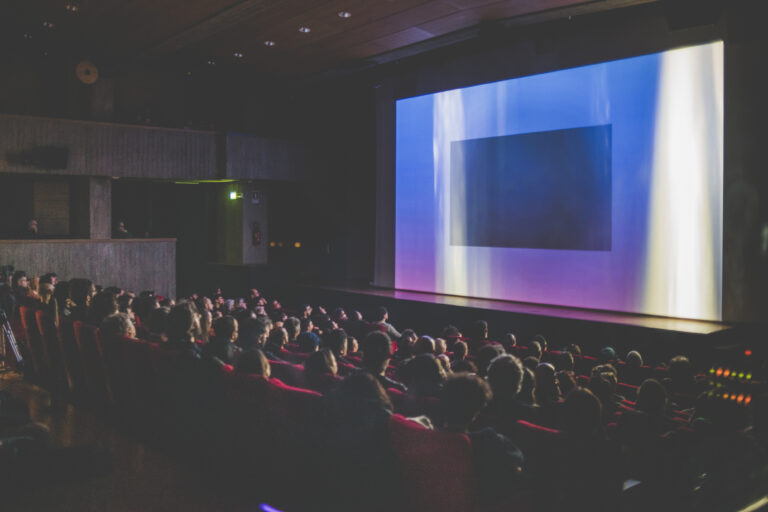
x: 36, y: 348
x: 88, y: 340
x: 437, y: 466
x: 55, y: 349
x: 291, y: 374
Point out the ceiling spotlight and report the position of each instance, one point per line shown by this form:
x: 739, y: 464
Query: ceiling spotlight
x: 71, y: 7
x: 238, y: 55
x: 269, y: 42
x: 344, y: 14
x: 211, y: 62
x: 27, y: 35
x: 305, y: 30
x: 48, y: 24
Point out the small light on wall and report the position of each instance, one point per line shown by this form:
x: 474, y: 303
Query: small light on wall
x: 271, y: 244
x: 297, y: 244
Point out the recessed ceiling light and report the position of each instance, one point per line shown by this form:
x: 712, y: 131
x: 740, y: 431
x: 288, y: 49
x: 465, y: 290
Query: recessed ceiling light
x: 27, y: 35
x: 345, y: 14
x: 269, y: 42
x: 71, y: 7
x: 48, y: 24
x: 211, y: 62
x: 305, y: 30
x: 238, y: 55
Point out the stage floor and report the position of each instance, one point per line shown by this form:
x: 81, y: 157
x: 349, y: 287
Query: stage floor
x: 588, y: 315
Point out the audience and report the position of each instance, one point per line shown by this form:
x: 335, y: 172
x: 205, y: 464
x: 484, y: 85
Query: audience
x: 476, y: 385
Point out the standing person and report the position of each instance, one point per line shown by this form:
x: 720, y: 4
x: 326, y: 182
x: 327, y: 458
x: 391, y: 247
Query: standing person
x: 32, y: 230
x: 122, y: 230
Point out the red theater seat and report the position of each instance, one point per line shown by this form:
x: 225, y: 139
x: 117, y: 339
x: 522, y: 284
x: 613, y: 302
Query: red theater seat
x: 437, y: 467
x: 61, y: 379
x: 88, y: 340
x: 291, y: 374
x: 34, y: 342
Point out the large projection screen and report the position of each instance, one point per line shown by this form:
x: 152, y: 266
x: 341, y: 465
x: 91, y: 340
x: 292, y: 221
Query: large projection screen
x: 595, y: 187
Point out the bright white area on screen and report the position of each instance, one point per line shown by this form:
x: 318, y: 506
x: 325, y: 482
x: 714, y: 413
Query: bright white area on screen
x: 684, y: 277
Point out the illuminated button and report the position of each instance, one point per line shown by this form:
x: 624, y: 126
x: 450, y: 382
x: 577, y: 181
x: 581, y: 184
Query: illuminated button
x: 747, y: 352
x: 740, y: 398
x: 726, y: 373
x: 741, y: 375
x: 726, y: 396
x: 749, y: 376
x: 747, y: 400
x: 711, y: 370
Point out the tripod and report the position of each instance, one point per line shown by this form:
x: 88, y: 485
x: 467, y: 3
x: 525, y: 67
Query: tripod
x: 7, y: 339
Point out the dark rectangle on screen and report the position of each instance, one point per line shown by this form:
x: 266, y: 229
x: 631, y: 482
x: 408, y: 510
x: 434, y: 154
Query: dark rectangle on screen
x: 542, y: 190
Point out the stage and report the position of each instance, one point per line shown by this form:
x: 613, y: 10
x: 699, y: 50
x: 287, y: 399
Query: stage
x: 428, y: 312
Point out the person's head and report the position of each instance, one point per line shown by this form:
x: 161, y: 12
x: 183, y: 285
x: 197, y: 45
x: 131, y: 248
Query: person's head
x: 566, y: 381
x: 530, y: 362
x: 50, y: 278
x: 485, y: 355
x: 277, y: 340
x: 306, y: 311
x: 338, y: 315
x: 460, y: 350
x: 681, y: 372
x: 634, y: 359
x: 336, y: 342
x: 46, y: 293
x: 225, y: 329
x: 32, y: 226
x: 465, y: 365
x: 574, y: 349
x: 352, y: 345
x: 183, y: 323
x: 505, y: 375
x: 306, y: 325
x: 356, y: 397
x: 143, y: 305
x: 293, y: 326
x: 377, y: 351
x: 321, y: 362
x: 122, y: 227
x: 307, y: 344
x: 103, y: 305
x: 424, y: 345
x: 380, y: 314
x: 600, y: 386
x: 528, y: 386
x: 407, y: 337
x: 20, y: 280
x: 423, y: 370
x: 81, y: 291
x: 157, y: 323
x: 564, y: 361
x: 510, y: 340
x: 478, y: 330
x: 462, y: 398
x: 542, y: 341
x: 255, y: 362
x: 547, y: 390
x: 606, y: 355
x: 124, y: 302
x: 441, y: 346
x: 651, y: 397
x: 534, y: 349
x: 450, y: 333
x: 582, y: 414
x: 117, y: 324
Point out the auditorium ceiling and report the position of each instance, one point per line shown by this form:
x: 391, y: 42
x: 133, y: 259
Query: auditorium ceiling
x: 284, y: 37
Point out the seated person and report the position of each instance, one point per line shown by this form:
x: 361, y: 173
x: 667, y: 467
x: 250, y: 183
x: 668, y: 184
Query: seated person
x: 336, y: 342
x: 222, y: 346
x: 477, y: 336
x: 485, y: 355
x: 381, y: 317
x: 321, y: 371
x: 275, y: 346
x: 183, y: 329
x: 254, y: 362
x: 117, y: 324
x: 377, y: 352
x: 307, y: 340
x: 423, y: 375
x: 505, y: 375
x: 497, y: 461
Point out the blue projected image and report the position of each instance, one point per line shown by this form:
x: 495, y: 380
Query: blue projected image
x: 596, y: 187
x: 543, y: 190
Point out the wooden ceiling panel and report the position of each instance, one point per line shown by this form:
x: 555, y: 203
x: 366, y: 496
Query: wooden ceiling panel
x: 195, y: 30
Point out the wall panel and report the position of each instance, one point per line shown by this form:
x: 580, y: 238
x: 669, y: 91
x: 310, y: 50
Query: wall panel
x: 133, y: 264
